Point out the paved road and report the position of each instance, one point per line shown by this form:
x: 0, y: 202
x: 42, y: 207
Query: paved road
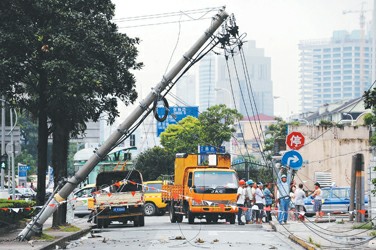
x: 159, y: 233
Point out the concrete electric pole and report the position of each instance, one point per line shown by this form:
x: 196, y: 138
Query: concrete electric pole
x: 36, y: 224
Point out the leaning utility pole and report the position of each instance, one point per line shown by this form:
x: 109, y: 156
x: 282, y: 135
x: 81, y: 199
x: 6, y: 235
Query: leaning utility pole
x: 35, y: 226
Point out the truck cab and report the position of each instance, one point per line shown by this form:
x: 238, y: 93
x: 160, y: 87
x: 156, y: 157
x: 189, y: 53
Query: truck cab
x: 202, y: 189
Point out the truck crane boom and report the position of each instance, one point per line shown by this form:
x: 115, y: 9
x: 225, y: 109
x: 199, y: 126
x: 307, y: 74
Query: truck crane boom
x: 36, y: 224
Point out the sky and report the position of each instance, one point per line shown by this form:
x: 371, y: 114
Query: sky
x: 277, y: 26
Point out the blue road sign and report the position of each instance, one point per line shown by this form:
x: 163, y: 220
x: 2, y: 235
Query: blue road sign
x: 211, y: 149
x: 292, y: 159
x: 175, y: 115
x: 23, y: 167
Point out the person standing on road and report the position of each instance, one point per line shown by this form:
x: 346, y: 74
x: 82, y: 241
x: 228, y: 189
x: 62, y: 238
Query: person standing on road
x: 249, y: 202
x: 268, y: 202
x: 299, y: 200
x: 260, y: 201
x: 283, y: 187
x: 317, y: 196
x: 240, y: 200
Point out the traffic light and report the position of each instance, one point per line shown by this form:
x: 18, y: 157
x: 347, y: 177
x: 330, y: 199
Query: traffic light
x: 3, y: 161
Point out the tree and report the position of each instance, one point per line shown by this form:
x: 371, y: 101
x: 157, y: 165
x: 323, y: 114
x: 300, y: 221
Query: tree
x: 213, y: 127
x: 66, y: 62
x: 155, y: 162
x: 182, y: 137
x: 217, y: 124
x: 276, y: 136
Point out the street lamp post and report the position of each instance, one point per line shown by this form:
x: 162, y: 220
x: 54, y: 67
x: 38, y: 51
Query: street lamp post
x: 304, y: 120
x: 2, y: 140
x: 352, y: 119
x: 230, y: 94
x: 287, y: 105
x: 12, y: 148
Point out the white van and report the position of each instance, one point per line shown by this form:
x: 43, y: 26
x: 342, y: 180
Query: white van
x: 81, y: 200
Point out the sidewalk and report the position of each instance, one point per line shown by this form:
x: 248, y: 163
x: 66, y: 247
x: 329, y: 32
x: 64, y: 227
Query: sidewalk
x: 8, y: 241
x: 327, y: 235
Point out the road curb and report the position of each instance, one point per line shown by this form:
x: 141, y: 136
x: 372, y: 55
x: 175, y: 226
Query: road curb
x: 60, y: 241
x: 295, y: 239
x: 301, y: 242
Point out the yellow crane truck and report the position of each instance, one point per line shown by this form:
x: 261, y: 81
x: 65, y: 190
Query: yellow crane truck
x: 202, y: 190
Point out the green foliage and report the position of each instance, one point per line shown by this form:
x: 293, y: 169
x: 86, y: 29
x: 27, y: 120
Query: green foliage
x: 213, y: 127
x: 182, y: 137
x: 369, y: 119
x: 5, y: 203
x: 326, y: 123
x: 154, y: 163
x: 275, y: 132
x: 216, y: 124
x: 11, y: 217
x: 65, y: 63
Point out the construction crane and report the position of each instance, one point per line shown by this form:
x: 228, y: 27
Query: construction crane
x: 362, y: 32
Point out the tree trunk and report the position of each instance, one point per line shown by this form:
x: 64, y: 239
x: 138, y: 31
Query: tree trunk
x: 59, y: 162
x: 42, y: 142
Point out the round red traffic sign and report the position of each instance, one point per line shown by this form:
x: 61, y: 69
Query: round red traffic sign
x: 295, y: 140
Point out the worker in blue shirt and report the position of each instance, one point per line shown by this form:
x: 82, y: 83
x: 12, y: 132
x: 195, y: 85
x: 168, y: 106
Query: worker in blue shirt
x: 283, y: 188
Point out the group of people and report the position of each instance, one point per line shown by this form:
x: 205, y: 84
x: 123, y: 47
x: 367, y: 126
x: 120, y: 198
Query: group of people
x: 255, y: 199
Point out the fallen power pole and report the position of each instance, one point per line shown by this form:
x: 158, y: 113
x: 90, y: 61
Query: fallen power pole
x: 35, y: 226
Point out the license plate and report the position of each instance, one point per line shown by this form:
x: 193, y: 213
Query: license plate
x: 118, y: 209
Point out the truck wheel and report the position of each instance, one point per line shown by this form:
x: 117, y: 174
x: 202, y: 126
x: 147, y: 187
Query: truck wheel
x: 232, y: 218
x: 173, y: 217
x: 179, y: 218
x: 99, y: 223
x: 161, y: 212
x: 141, y: 220
x: 106, y: 223
x: 191, y: 217
x: 149, y: 209
x: 136, y: 221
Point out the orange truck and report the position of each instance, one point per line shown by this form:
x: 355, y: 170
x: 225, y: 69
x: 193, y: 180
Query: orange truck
x: 204, y: 190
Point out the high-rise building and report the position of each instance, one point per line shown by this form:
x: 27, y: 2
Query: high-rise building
x: 207, y: 81
x: 246, y: 75
x: 334, y: 69
x: 186, y: 90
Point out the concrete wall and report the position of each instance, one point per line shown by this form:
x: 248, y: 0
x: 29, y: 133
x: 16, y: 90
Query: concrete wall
x: 330, y: 149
